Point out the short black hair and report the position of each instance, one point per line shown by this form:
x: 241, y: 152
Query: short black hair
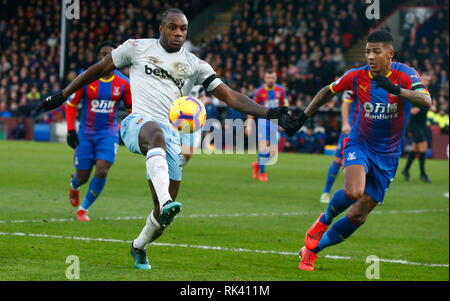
x: 170, y: 11
x: 380, y: 36
x: 103, y: 44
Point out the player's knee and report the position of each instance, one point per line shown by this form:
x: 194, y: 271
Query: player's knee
x: 338, y: 161
x: 82, y: 178
x: 354, y: 193
x: 101, y: 172
x: 357, y: 218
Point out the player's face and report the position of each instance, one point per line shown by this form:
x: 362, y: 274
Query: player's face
x: 426, y: 79
x: 379, y: 56
x: 104, y: 51
x: 173, y: 32
x: 270, y: 79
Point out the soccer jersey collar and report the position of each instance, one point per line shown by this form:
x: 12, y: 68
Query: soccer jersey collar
x: 387, y: 75
x: 107, y: 80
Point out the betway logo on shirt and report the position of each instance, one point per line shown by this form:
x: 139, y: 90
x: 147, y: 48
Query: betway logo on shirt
x: 381, y: 110
x: 164, y: 74
x: 102, y: 106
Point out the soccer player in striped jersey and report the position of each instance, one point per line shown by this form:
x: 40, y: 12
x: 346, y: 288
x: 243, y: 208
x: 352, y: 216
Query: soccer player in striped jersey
x: 98, y: 139
x: 349, y: 112
x: 386, y: 91
x: 270, y: 95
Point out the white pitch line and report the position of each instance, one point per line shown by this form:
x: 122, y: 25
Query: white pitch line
x: 216, y: 248
x: 126, y: 218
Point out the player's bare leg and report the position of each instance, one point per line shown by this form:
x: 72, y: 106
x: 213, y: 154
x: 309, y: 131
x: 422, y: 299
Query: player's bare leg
x: 95, y: 188
x: 79, y: 178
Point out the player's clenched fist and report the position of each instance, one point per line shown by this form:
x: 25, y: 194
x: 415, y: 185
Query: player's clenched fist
x: 72, y: 139
x: 285, y: 120
x: 50, y: 103
x: 386, y: 84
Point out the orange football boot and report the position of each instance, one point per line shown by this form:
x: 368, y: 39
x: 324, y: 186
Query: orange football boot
x: 255, y: 173
x: 307, y: 258
x: 315, y: 233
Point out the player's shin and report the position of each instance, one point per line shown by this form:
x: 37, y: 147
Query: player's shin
x: 74, y: 182
x: 332, y: 174
x: 341, y: 230
x: 158, y: 171
x: 339, y: 202
x: 152, y: 230
x: 95, y: 188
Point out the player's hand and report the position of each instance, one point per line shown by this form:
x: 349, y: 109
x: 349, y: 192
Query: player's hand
x: 346, y: 128
x: 72, y: 139
x: 386, y: 84
x: 284, y: 119
x: 50, y: 103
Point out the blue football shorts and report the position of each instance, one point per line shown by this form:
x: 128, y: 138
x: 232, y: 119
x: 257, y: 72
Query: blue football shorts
x: 340, y: 145
x: 267, y: 131
x: 92, y: 149
x: 380, y: 170
x: 129, y: 132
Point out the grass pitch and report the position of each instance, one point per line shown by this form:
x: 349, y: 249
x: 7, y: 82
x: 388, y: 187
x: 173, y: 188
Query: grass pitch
x: 231, y: 227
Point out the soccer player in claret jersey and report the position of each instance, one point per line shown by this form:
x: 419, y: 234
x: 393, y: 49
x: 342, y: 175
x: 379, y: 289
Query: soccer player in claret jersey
x: 385, y: 91
x: 98, y: 139
x: 349, y: 112
x: 270, y: 95
x: 161, y: 71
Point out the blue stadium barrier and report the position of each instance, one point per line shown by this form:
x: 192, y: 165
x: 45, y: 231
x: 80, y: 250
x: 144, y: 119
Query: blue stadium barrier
x: 41, y: 132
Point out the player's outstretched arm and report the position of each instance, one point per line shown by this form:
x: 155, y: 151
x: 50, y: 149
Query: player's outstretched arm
x: 246, y: 105
x: 319, y: 100
x: 93, y: 73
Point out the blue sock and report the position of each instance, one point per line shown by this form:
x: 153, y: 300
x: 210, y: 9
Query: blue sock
x: 262, y: 160
x: 75, y: 183
x: 332, y: 174
x: 341, y: 230
x: 95, y: 188
x: 339, y: 202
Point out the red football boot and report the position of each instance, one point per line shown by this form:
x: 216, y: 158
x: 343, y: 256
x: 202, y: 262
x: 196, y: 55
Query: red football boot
x: 315, y: 233
x: 263, y: 177
x: 307, y: 259
x: 82, y: 215
x: 74, y: 196
x: 255, y: 173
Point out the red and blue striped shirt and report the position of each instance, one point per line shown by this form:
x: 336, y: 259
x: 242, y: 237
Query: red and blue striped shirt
x: 100, y: 101
x: 382, y: 118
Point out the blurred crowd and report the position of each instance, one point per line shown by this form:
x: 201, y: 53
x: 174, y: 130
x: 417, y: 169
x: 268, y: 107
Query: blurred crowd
x: 303, y: 40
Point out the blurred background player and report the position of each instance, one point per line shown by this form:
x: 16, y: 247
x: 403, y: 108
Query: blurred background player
x: 161, y: 71
x: 270, y: 95
x: 349, y: 113
x: 372, y: 150
x: 98, y: 139
x: 418, y: 128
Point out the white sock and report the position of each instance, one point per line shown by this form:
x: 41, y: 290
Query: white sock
x: 158, y: 170
x: 152, y: 230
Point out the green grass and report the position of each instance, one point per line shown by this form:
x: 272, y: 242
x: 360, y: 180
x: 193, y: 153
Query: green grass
x: 233, y: 212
